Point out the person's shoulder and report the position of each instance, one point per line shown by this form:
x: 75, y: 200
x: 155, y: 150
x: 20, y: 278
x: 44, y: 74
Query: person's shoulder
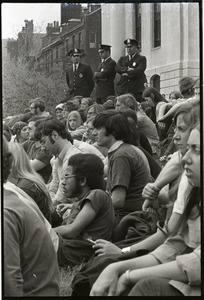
x: 28, y: 143
x: 123, y: 57
x: 84, y: 65
x: 69, y: 67
x: 110, y: 60
x: 12, y: 202
x: 141, y: 56
x: 123, y: 150
x: 26, y: 183
x: 97, y: 193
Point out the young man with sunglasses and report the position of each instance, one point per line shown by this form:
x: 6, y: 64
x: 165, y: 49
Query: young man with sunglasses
x: 92, y: 214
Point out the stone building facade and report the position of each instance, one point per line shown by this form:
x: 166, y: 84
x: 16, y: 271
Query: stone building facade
x: 169, y: 35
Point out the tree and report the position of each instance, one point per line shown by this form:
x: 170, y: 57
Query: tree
x: 21, y: 84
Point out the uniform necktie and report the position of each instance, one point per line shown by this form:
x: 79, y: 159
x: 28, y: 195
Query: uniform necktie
x: 130, y: 57
x: 75, y: 68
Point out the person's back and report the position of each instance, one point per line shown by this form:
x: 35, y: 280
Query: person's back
x: 36, y: 194
x: 146, y: 126
x: 29, y: 257
x: 34, y: 152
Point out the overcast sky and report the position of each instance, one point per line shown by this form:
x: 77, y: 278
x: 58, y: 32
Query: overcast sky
x: 14, y: 14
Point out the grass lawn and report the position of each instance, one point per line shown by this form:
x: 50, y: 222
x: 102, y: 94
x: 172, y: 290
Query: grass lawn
x: 66, y: 276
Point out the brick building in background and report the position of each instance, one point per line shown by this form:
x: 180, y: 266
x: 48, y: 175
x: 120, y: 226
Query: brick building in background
x: 82, y: 31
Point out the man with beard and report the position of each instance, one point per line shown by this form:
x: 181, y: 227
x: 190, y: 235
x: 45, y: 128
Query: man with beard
x: 57, y: 142
x: 92, y: 214
x: 38, y: 158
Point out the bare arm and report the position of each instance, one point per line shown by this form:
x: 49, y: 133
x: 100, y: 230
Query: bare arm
x: 169, y: 270
x: 152, y: 242
x: 194, y: 100
x: 82, y: 220
x: 118, y: 196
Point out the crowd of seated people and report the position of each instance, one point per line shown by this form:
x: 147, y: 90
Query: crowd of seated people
x: 115, y: 186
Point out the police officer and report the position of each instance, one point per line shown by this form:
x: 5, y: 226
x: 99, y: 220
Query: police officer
x: 79, y: 76
x: 131, y: 68
x: 104, y: 77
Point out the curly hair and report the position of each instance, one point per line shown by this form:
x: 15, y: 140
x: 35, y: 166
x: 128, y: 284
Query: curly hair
x: 89, y: 166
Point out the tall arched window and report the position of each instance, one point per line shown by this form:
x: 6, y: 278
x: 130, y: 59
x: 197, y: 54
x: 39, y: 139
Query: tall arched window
x: 138, y: 21
x: 157, y: 25
x: 155, y: 82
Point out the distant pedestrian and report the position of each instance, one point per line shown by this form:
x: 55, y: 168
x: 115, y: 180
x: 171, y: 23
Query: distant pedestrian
x: 131, y: 68
x: 79, y: 76
x: 104, y: 77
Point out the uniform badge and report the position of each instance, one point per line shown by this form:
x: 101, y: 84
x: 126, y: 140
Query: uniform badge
x: 81, y: 75
x: 102, y: 70
x: 134, y: 64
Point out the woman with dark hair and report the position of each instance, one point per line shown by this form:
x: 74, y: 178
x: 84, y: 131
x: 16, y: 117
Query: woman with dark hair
x: 19, y: 129
x: 152, y: 98
x: 93, y: 110
x: 139, y: 136
x: 135, y: 136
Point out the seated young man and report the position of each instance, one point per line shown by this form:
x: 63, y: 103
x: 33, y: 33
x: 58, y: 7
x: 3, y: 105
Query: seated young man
x: 91, y: 215
x: 128, y: 168
x: 38, y: 158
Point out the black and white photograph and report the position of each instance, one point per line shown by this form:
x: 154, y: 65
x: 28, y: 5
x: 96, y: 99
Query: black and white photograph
x: 101, y: 165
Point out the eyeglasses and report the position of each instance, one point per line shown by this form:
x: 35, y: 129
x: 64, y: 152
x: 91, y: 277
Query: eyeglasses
x: 32, y: 107
x: 69, y: 176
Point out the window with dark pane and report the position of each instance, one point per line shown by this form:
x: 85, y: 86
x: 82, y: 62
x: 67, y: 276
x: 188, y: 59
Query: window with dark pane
x: 157, y: 24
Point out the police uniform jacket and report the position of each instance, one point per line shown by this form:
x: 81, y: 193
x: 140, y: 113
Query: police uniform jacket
x: 81, y: 82
x: 104, y: 79
x: 134, y: 82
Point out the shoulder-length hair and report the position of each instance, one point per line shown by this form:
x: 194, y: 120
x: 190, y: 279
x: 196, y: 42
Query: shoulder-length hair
x: 21, y: 168
x: 157, y: 96
x: 115, y: 123
x: 76, y: 115
x: 191, y: 114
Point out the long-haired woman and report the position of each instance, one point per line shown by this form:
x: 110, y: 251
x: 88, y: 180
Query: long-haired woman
x: 25, y: 177
x: 75, y: 125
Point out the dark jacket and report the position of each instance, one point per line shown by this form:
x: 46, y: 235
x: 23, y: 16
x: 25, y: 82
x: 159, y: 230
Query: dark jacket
x: 134, y: 82
x: 104, y: 79
x: 81, y: 82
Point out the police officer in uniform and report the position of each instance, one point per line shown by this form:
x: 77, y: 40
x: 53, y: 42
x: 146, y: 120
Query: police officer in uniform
x: 79, y: 76
x: 104, y: 77
x: 131, y: 68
